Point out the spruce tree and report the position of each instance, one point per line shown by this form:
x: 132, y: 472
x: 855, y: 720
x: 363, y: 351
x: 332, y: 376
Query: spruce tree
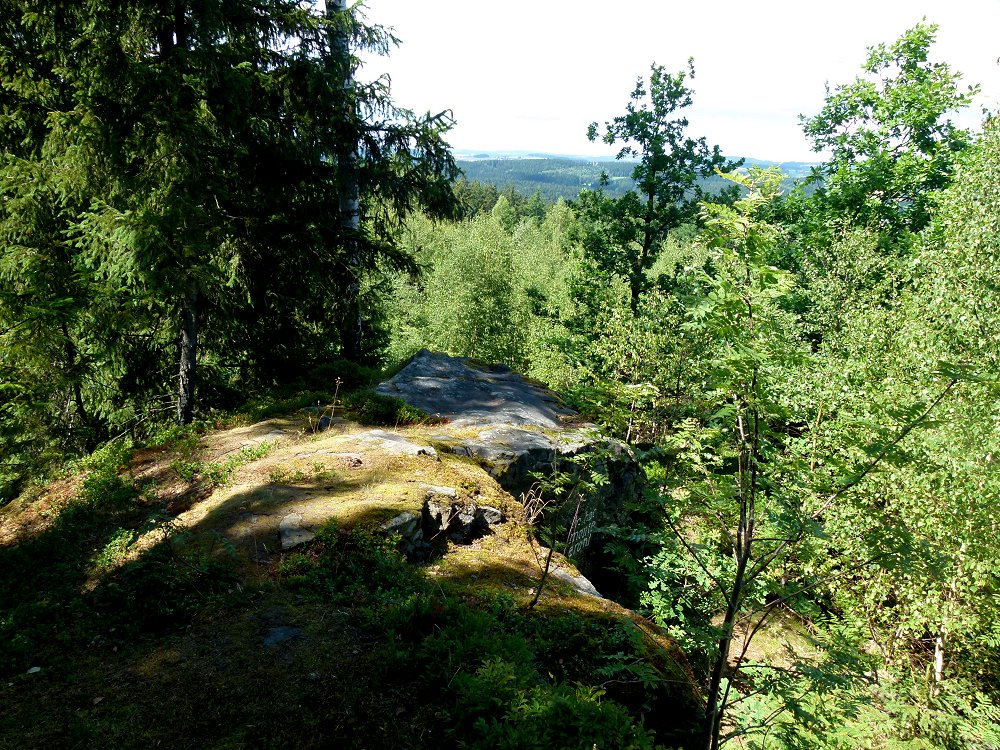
x: 171, y: 195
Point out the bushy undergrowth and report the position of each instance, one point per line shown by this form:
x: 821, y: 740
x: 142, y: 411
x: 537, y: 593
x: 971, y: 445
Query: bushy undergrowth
x: 371, y: 408
x: 471, y: 669
x: 501, y: 677
x: 71, y: 585
x: 356, y: 566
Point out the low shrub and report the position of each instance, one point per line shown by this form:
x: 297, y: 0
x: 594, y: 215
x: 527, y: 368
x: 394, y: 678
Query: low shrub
x: 350, y: 374
x: 371, y: 408
x: 357, y: 566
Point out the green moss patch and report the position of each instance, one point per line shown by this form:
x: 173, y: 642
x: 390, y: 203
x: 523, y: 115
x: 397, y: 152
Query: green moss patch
x: 185, y: 624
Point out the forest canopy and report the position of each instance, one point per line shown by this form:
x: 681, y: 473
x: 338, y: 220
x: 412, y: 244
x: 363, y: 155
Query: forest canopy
x: 809, y: 375
x: 206, y: 203
x: 175, y: 206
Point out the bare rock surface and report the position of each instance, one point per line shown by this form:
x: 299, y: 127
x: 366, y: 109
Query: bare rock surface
x: 435, y: 489
x: 580, y: 583
x: 526, y: 431
x: 469, y: 393
x: 393, y: 443
x: 291, y: 532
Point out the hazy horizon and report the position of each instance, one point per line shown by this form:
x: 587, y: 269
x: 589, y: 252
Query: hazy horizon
x: 530, y: 153
x: 532, y: 76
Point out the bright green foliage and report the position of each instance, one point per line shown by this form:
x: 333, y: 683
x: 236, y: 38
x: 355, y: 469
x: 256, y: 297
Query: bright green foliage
x: 849, y: 478
x: 532, y: 299
x: 892, y: 145
x: 490, y: 285
x: 733, y: 511
x: 889, y: 135
x: 475, y: 284
x: 928, y: 602
x: 625, y: 233
x: 959, y: 263
x: 903, y: 561
x: 528, y: 298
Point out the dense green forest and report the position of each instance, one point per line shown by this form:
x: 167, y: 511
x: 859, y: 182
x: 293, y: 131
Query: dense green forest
x: 199, y: 205
x: 555, y: 177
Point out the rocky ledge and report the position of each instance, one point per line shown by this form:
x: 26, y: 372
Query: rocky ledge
x: 526, y: 432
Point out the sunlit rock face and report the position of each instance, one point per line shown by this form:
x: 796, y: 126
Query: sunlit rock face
x: 527, y: 430
x: 466, y: 392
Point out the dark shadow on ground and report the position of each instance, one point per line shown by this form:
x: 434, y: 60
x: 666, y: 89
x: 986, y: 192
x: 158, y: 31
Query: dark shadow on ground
x: 199, y: 642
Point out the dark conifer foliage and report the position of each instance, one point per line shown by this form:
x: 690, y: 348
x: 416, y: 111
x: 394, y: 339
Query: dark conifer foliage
x: 169, y: 201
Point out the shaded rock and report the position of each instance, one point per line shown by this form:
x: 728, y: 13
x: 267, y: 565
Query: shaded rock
x: 467, y: 392
x: 440, y: 522
x: 512, y: 455
x: 292, y: 533
x: 326, y: 422
x: 406, y: 524
x: 281, y: 634
x: 461, y: 524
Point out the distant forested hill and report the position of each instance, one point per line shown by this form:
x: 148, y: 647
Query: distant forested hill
x: 564, y: 177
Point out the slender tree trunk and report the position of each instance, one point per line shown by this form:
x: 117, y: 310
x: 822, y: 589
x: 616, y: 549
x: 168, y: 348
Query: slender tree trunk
x: 545, y: 574
x: 635, y: 291
x: 180, y: 24
x: 713, y: 709
x: 939, y: 661
x: 748, y: 457
x: 637, y: 281
x: 351, y: 336
x: 350, y: 205
x: 188, y: 355
x: 72, y: 366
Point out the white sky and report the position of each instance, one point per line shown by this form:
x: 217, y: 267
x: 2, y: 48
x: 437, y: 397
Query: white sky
x: 532, y: 75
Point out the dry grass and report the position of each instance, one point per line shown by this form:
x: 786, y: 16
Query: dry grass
x: 37, y: 509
